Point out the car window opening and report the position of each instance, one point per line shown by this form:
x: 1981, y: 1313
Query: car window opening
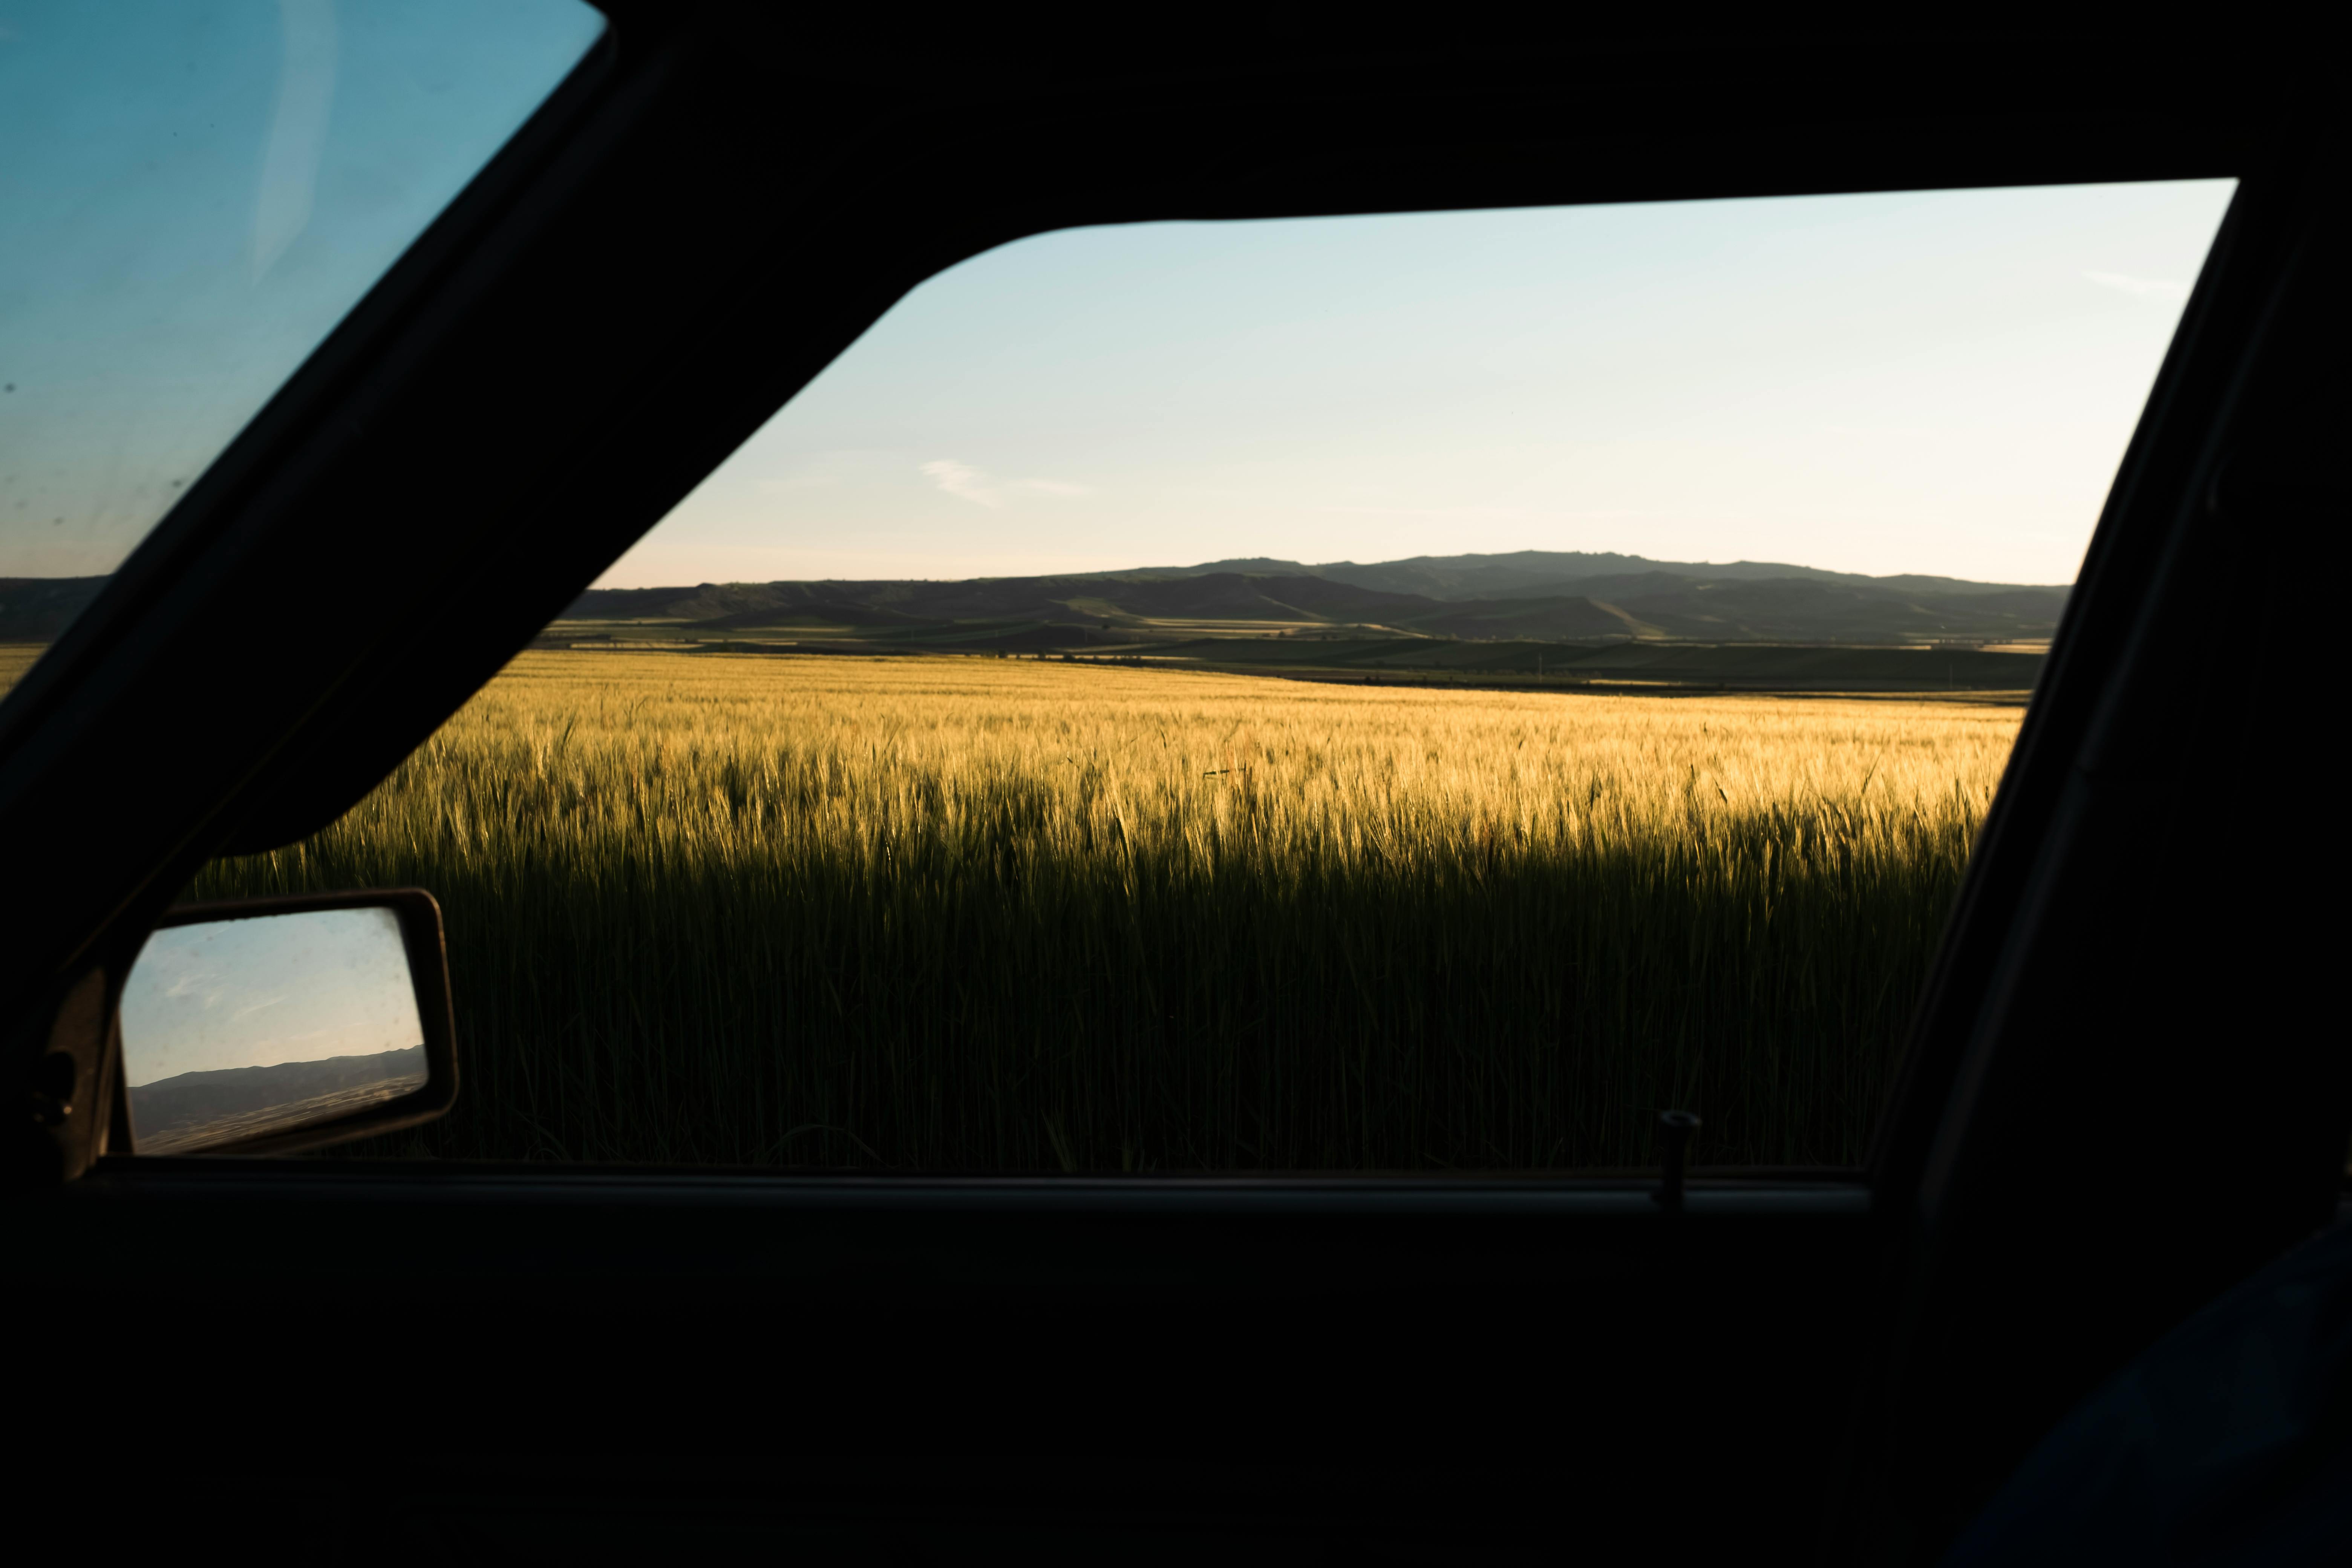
x: 1413, y: 694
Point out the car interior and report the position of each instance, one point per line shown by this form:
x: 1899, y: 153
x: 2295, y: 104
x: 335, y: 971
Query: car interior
x: 2123, y: 1091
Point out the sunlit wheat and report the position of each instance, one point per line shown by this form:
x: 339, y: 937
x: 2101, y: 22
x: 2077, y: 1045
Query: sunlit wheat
x: 987, y: 914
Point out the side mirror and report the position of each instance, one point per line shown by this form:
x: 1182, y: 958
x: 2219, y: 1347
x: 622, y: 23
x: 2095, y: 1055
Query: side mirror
x: 270, y: 1025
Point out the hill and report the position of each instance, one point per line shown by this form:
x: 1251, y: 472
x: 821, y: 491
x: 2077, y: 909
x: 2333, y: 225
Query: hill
x: 1477, y: 616
x: 1540, y: 572
x: 195, y: 1107
x: 37, y: 609
x: 1557, y: 596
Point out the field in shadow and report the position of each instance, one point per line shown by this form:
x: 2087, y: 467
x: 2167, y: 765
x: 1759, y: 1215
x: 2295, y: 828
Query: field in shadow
x: 954, y: 915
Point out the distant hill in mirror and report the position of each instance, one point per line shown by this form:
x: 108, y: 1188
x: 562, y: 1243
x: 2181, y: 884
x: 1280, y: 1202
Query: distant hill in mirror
x: 196, y: 1108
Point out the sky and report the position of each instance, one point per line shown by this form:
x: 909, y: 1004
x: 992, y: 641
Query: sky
x: 192, y: 192
x: 271, y: 989
x: 1931, y: 382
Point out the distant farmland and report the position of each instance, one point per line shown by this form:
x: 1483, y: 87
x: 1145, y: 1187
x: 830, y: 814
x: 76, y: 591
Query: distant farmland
x: 957, y: 914
x: 1528, y: 620
x: 1535, y: 618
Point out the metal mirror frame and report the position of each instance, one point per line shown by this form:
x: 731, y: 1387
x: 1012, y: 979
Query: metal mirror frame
x: 428, y: 970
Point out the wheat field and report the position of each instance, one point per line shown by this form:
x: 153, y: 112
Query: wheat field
x: 984, y: 915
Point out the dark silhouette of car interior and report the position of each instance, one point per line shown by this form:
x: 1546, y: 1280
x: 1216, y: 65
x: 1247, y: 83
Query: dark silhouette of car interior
x: 2125, y: 1095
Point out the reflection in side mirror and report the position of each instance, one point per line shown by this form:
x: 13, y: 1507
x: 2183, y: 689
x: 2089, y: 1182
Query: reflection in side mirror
x: 286, y: 1023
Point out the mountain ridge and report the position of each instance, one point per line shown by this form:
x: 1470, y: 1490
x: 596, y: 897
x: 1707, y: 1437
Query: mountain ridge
x: 1570, y: 566
x: 1521, y: 595
x: 1529, y: 593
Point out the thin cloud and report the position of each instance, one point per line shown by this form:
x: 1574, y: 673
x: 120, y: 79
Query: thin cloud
x: 196, y: 982
x: 964, y: 481
x: 968, y: 483
x: 1444, y: 513
x: 2170, y: 289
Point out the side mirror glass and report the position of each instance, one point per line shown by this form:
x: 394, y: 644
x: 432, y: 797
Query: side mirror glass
x: 272, y: 1024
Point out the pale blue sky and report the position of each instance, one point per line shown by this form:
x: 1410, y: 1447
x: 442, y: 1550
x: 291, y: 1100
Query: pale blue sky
x: 1939, y: 382
x: 276, y: 988
x: 192, y: 192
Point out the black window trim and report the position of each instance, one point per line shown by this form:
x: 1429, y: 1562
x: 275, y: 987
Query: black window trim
x: 617, y: 372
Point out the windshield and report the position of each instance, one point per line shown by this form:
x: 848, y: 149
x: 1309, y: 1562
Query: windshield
x: 192, y: 196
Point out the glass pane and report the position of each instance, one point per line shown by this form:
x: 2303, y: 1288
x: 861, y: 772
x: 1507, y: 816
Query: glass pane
x: 192, y: 196
x: 238, y: 1027
x: 1412, y: 693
